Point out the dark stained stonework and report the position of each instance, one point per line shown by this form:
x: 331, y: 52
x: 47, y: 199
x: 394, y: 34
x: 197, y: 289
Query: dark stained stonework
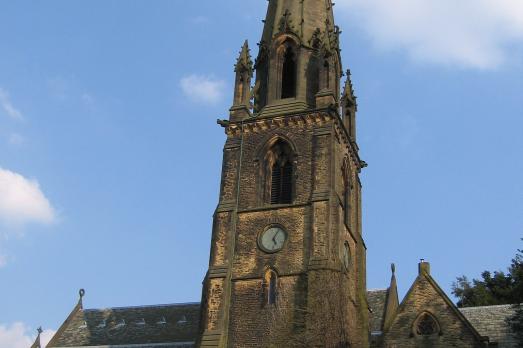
x: 291, y: 134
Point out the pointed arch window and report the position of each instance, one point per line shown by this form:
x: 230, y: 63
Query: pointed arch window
x: 280, y: 173
x: 289, y: 72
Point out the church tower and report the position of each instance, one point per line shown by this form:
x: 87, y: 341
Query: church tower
x: 287, y: 263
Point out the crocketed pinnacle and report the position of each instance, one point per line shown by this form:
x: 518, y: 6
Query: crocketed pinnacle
x: 244, y: 62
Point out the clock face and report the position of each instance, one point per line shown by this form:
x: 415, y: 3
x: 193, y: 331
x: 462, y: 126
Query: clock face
x: 346, y: 256
x: 272, y: 240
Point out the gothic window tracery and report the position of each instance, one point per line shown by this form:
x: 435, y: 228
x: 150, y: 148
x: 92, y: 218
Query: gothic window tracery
x: 426, y: 325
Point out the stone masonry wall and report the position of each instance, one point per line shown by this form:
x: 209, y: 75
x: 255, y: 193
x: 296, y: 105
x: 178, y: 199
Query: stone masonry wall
x: 424, y: 297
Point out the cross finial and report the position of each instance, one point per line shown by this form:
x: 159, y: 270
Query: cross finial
x: 39, y: 330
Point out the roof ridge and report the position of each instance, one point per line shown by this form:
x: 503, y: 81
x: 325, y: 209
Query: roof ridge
x: 490, y: 306
x: 145, y: 306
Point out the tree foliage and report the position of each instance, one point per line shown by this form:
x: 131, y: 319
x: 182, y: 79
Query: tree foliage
x: 496, y: 288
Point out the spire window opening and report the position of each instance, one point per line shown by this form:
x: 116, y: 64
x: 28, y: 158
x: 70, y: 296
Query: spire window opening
x: 288, y: 80
x: 327, y: 75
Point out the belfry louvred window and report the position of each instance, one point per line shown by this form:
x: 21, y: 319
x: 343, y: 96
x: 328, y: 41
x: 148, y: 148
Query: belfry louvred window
x: 279, y: 173
x: 281, y: 187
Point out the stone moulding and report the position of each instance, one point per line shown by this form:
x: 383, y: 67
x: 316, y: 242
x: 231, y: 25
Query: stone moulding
x: 306, y: 119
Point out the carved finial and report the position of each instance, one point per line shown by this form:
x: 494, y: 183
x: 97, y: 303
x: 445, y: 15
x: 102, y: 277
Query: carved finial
x: 285, y: 22
x: 393, y: 268
x: 422, y: 260
x: 37, y: 343
x: 81, y: 292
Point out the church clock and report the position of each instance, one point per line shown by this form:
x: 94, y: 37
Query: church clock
x: 272, y: 240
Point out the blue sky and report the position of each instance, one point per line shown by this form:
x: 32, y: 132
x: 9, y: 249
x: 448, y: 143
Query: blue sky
x: 110, y: 156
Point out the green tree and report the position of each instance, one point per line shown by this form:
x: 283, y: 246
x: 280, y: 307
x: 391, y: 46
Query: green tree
x: 496, y: 288
x: 516, y: 321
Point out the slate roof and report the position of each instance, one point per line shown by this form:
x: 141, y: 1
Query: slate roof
x: 377, y: 300
x: 174, y: 325
x: 490, y: 321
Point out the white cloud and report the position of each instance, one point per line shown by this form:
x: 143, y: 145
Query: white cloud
x: 18, y: 335
x: 8, y: 107
x: 467, y: 33
x: 46, y: 336
x: 200, y: 88
x: 22, y: 201
x: 14, y: 336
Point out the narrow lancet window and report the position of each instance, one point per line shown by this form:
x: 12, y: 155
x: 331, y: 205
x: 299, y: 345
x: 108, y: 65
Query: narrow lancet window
x: 326, y: 72
x: 346, y: 202
x: 271, y: 285
x: 347, y: 193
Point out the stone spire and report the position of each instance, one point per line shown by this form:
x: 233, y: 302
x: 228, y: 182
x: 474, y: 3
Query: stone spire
x: 299, y: 63
x: 300, y: 17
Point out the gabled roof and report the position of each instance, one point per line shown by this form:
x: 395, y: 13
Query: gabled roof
x: 174, y: 325
x: 491, y: 321
x: 424, y: 278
